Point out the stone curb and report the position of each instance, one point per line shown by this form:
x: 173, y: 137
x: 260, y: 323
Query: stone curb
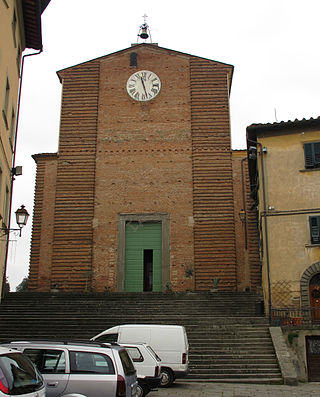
x: 288, y: 371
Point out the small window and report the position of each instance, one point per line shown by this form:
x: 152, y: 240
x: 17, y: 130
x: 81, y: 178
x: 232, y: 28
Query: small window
x: 12, y: 127
x: 135, y: 354
x: 14, y: 28
x: 312, y: 154
x: 133, y: 59
x: 315, y: 229
x: 6, y: 104
x: 107, y: 338
x: 91, y: 363
x: 47, y: 361
x: 153, y: 353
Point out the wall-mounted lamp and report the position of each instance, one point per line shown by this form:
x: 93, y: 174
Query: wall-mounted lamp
x: 252, y: 152
x: 22, y: 216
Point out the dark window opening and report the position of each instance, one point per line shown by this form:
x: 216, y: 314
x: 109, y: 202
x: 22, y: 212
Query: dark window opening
x: 312, y: 154
x: 315, y: 229
x: 133, y: 59
x: 147, y: 270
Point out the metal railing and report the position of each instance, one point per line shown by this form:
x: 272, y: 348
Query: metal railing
x: 295, y: 317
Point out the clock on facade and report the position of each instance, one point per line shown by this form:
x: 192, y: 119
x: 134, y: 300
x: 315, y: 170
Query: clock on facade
x: 143, y: 85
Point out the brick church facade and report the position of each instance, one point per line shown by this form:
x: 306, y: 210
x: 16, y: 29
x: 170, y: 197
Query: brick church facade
x: 144, y: 195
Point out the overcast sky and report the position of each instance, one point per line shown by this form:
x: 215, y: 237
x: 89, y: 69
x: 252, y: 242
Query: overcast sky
x: 272, y: 44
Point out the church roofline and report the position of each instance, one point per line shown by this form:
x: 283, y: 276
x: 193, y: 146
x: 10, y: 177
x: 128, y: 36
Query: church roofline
x: 147, y: 45
x: 44, y: 155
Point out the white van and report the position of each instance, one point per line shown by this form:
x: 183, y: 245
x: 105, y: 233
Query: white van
x: 170, y: 342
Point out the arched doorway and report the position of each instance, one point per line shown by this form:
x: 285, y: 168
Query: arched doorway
x: 314, y: 294
x: 310, y: 281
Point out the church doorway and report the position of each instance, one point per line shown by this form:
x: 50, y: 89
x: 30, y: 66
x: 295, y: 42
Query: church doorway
x: 143, y: 259
x: 314, y: 293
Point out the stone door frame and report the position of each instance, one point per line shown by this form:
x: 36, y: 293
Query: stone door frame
x: 304, y: 288
x: 121, y: 244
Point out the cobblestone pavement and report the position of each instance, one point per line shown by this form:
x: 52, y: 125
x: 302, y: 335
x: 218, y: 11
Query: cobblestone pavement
x: 186, y: 389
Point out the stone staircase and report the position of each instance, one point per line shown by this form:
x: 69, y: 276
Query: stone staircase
x: 228, y: 336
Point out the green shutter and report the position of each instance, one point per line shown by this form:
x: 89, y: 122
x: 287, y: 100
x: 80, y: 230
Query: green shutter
x: 315, y: 229
x: 312, y: 154
x: 140, y: 237
x: 308, y: 155
x: 316, y: 147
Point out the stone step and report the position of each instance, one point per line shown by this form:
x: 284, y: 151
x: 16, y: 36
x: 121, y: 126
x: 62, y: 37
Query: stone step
x: 234, y: 372
x: 231, y: 341
x: 232, y: 366
x: 227, y: 358
x: 277, y: 380
x: 228, y: 338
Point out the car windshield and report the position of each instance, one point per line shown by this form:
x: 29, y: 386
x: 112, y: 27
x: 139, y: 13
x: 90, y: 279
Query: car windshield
x: 153, y: 353
x: 18, y: 375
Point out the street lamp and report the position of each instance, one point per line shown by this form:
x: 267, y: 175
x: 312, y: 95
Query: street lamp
x: 22, y: 216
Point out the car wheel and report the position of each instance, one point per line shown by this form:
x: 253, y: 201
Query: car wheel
x: 166, y: 377
x: 142, y: 390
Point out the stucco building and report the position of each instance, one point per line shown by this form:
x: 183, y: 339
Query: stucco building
x: 284, y: 163
x: 141, y: 194
x: 287, y: 162
x: 20, y: 28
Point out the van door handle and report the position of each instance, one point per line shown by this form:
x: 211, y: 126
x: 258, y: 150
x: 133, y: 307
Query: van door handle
x: 52, y: 384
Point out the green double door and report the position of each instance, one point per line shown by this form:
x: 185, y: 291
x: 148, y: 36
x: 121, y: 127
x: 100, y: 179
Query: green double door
x: 143, y: 257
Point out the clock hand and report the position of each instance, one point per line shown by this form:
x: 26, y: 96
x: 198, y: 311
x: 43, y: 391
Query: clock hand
x: 144, y: 87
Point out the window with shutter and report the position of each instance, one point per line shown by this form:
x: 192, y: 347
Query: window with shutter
x: 315, y: 229
x: 312, y: 154
x: 317, y: 154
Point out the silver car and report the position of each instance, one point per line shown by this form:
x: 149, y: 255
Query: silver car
x: 82, y: 369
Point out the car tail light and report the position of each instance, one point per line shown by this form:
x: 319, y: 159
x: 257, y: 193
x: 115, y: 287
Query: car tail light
x: 184, y: 358
x: 121, y: 387
x: 156, y: 371
x: 4, y: 388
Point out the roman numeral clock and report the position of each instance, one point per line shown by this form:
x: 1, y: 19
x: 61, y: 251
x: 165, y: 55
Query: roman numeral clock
x: 143, y: 86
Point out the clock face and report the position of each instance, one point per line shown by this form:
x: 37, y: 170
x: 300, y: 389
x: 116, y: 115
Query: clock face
x: 143, y: 86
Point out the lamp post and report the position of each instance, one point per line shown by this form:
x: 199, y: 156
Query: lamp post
x: 22, y: 216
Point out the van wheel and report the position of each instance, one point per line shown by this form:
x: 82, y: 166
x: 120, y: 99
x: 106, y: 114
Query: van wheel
x: 166, y: 377
x: 142, y: 390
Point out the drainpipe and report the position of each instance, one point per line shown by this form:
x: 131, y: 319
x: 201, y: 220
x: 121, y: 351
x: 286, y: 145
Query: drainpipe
x: 13, y: 165
x: 265, y: 223
x: 244, y: 204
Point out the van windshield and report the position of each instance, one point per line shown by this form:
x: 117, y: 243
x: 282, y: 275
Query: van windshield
x: 107, y: 338
x: 18, y: 375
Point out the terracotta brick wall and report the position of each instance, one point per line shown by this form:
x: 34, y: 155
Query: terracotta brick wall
x: 171, y: 155
x: 144, y: 160
x: 74, y: 204
x: 43, y: 220
x: 215, y: 254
